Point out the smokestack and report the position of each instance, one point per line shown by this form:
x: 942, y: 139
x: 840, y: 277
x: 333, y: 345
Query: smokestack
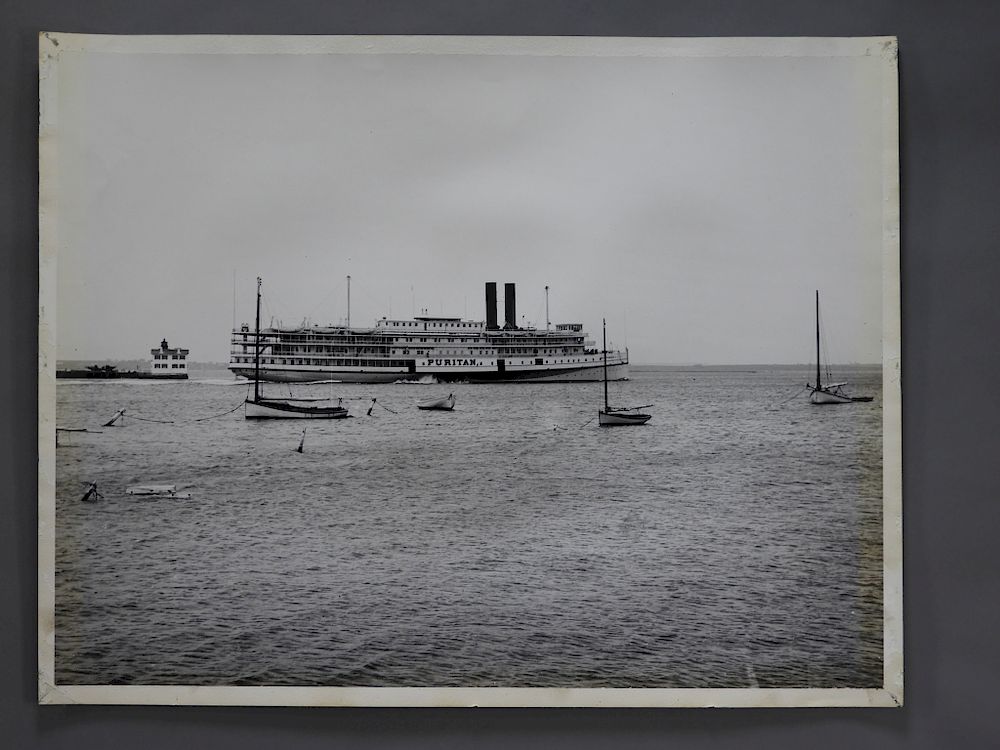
x: 510, y: 307
x: 491, y: 306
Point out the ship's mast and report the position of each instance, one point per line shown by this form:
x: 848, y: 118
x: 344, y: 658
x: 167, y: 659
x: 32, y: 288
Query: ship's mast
x: 256, y: 359
x: 348, y: 301
x: 604, y: 336
x: 546, y: 308
x: 817, y: 340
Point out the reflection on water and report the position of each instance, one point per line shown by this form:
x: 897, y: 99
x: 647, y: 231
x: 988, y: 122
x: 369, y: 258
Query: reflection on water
x: 733, y: 541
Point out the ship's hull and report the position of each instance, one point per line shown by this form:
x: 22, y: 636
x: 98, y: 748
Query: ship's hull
x: 512, y: 374
x: 823, y: 397
x: 280, y: 410
x: 620, y: 419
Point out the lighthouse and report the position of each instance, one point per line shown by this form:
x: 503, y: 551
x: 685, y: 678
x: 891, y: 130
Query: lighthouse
x: 169, y: 363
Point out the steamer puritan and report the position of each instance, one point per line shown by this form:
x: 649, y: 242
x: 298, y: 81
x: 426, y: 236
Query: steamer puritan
x: 428, y: 347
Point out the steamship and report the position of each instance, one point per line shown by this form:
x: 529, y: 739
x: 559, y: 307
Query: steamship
x: 427, y: 347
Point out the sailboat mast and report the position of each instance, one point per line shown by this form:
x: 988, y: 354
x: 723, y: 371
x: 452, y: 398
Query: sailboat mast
x: 604, y: 336
x: 256, y: 359
x: 817, y: 340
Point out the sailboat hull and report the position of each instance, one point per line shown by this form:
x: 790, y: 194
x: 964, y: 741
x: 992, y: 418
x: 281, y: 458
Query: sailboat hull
x: 822, y: 397
x: 620, y: 419
x: 281, y: 410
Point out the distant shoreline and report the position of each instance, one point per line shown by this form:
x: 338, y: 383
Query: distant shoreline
x: 752, y: 367
x: 136, y: 365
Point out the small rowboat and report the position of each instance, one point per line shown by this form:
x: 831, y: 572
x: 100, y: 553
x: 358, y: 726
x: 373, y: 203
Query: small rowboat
x: 440, y: 404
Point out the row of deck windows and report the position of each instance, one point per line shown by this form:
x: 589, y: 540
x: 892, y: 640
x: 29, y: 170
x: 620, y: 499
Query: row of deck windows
x: 265, y: 361
x: 504, y: 350
x: 430, y: 324
x: 378, y: 341
x: 419, y: 352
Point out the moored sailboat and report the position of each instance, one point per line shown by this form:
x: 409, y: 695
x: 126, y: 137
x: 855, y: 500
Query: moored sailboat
x: 271, y: 408
x: 618, y: 416
x: 831, y: 393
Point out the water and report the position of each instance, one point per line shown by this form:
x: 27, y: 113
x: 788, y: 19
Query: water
x: 734, y: 541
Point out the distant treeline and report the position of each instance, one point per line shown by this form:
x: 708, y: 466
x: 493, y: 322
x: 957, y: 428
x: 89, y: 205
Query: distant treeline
x: 751, y: 367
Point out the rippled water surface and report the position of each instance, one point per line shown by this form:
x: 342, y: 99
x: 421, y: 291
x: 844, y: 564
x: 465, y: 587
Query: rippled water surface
x: 734, y: 541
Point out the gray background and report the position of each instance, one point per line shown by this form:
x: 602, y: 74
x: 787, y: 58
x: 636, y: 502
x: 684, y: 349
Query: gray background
x: 949, y: 61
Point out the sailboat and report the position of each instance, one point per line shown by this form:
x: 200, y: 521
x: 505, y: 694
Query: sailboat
x: 619, y: 416
x: 271, y: 408
x: 831, y: 393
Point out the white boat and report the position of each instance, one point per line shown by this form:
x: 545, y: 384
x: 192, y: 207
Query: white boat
x: 260, y: 407
x: 831, y: 393
x: 447, y: 349
x: 446, y: 403
x: 618, y: 416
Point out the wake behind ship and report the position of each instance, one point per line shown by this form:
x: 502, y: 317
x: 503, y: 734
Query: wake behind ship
x: 447, y: 349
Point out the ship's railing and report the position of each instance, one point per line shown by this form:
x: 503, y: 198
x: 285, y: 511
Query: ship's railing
x: 386, y: 343
x: 246, y: 359
x: 268, y: 350
x: 354, y: 347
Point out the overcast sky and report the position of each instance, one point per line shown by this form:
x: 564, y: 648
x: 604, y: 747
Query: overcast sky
x: 697, y: 203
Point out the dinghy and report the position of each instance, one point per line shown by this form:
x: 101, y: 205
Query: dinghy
x: 447, y: 403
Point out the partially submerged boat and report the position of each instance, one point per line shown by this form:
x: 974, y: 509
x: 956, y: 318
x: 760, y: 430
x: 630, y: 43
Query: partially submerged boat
x: 260, y: 407
x: 158, y: 490
x: 622, y: 415
x: 446, y: 403
x: 831, y: 393
x: 78, y: 430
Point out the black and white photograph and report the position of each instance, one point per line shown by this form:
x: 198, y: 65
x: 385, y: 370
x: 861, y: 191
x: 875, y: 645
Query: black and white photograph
x: 469, y: 371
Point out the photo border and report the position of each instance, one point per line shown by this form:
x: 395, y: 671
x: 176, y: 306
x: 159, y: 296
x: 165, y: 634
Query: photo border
x: 53, y: 45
